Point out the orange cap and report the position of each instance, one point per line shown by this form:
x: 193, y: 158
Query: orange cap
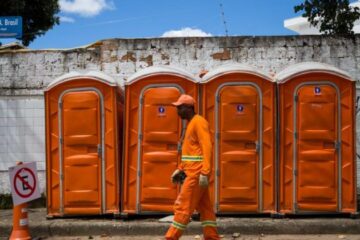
x: 184, y: 99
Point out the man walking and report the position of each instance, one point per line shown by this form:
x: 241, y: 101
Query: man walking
x: 196, y: 163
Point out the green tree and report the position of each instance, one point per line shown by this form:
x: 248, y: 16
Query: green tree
x: 38, y: 16
x: 333, y: 17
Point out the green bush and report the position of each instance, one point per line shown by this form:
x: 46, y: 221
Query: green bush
x: 5, y: 201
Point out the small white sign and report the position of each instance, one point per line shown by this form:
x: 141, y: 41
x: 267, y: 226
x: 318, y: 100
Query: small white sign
x: 24, y: 183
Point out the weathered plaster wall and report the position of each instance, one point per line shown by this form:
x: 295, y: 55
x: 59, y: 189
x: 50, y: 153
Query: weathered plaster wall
x: 28, y: 72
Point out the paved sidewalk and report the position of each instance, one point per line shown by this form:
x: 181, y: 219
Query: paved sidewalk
x: 97, y: 226
x: 226, y: 237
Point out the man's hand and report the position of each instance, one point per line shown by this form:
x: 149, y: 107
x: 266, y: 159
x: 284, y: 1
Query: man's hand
x: 203, y: 181
x: 174, y: 176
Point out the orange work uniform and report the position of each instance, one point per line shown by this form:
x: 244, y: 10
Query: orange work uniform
x: 195, y: 160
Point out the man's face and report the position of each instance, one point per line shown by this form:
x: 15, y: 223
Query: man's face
x: 183, y: 111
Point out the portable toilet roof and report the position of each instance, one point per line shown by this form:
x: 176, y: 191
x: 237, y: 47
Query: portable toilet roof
x: 94, y: 75
x: 235, y: 68
x: 160, y: 70
x: 299, y: 69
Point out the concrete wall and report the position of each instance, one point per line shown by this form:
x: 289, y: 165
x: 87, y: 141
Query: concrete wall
x: 24, y: 74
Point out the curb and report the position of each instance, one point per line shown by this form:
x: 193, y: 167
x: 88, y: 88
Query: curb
x: 91, y: 227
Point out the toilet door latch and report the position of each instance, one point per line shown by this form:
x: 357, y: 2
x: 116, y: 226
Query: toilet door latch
x: 99, y: 150
x: 257, y: 146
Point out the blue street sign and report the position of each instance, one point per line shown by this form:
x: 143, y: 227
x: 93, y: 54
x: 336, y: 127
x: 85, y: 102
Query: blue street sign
x: 11, y: 27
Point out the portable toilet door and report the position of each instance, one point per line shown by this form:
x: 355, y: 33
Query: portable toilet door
x: 239, y: 103
x: 317, y: 139
x: 83, y: 144
x: 153, y: 131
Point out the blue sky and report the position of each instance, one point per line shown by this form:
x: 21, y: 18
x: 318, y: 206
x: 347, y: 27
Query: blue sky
x: 87, y: 21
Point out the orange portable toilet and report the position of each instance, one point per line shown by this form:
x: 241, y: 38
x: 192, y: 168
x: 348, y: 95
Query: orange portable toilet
x: 239, y: 103
x: 317, y: 140
x: 83, y: 144
x: 152, y: 133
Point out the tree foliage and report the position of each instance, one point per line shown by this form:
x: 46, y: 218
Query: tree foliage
x: 333, y: 17
x: 38, y: 16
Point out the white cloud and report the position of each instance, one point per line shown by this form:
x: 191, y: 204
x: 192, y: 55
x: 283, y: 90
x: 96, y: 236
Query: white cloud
x: 186, y: 32
x: 85, y: 8
x: 66, y: 19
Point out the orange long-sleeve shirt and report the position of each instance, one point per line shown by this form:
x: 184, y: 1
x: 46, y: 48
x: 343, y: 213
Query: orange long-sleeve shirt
x: 196, y: 148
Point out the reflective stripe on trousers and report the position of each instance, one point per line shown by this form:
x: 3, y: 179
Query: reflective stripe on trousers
x: 192, y: 197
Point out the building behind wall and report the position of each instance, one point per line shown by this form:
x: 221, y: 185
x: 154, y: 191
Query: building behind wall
x: 24, y: 74
x: 302, y: 26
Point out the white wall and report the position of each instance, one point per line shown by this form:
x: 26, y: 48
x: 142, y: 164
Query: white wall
x: 22, y: 131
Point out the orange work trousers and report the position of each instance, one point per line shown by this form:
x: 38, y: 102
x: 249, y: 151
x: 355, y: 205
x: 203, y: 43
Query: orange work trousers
x: 192, y: 197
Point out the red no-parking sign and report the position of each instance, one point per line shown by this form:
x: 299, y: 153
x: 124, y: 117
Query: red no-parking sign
x: 24, y: 183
